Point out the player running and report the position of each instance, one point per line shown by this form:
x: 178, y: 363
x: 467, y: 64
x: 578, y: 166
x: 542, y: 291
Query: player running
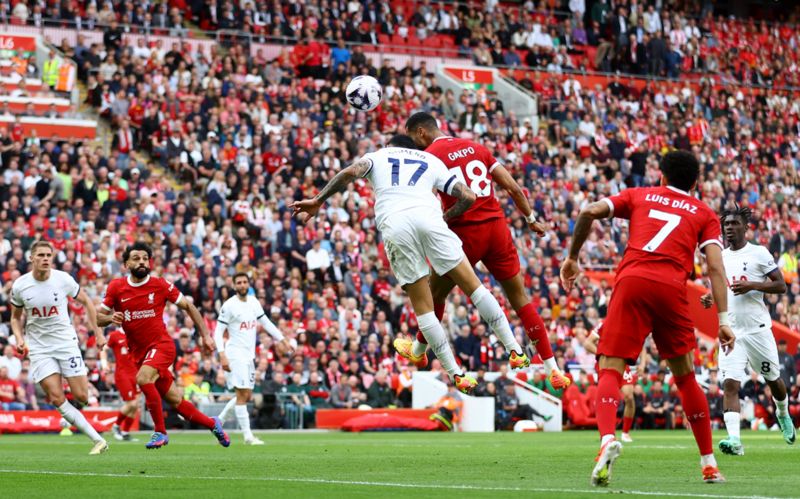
x: 409, y: 216
x: 486, y: 237
x: 240, y: 316
x: 751, y: 273
x: 629, y: 379
x: 125, y: 381
x: 48, y: 337
x: 666, y: 226
x: 136, y: 303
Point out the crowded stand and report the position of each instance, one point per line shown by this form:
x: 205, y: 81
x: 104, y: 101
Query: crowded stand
x: 209, y: 149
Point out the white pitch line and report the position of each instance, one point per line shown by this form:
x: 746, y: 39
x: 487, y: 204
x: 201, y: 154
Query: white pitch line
x: 384, y: 484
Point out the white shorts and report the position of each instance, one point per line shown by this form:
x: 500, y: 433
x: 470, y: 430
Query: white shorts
x: 757, y: 349
x: 66, y: 361
x: 242, y: 374
x: 411, y: 241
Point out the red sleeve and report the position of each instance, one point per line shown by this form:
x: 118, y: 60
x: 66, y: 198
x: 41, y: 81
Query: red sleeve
x: 711, y: 231
x: 622, y: 204
x: 489, y: 160
x: 110, y: 299
x: 172, y: 293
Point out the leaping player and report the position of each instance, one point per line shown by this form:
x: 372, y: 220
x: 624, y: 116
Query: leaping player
x: 751, y: 272
x: 486, y: 237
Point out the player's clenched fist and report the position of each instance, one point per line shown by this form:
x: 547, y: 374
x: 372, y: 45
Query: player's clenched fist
x: 208, y: 344
x: 726, y: 338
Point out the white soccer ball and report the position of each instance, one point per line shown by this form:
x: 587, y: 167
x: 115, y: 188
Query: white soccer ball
x: 364, y: 93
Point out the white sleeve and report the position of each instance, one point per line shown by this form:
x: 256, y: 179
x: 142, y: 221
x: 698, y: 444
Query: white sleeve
x: 371, y: 159
x: 270, y: 327
x: 766, y: 261
x: 444, y: 181
x: 16, y: 299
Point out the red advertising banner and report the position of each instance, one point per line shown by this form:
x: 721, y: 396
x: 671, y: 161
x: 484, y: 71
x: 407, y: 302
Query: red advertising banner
x: 50, y: 421
x: 472, y: 76
x: 14, y: 45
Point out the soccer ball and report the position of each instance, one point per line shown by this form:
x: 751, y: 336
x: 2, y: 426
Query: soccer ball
x: 364, y: 93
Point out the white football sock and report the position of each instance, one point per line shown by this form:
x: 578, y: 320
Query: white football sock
x: 437, y: 339
x: 244, y: 421
x: 733, y: 423
x: 606, y: 438
x: 550, y: 365
x: 782, y: 405
x: 418, y: 348
x: 75, y: 417
x: 227, y: 409
x: 708, y: 460
x: 493, y: 315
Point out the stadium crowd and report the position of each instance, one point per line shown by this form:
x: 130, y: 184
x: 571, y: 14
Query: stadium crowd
x: 238, y: 138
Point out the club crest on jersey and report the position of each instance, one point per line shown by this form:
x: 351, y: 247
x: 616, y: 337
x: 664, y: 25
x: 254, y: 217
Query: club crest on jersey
x: 151, y: 298
x: 44, y: 311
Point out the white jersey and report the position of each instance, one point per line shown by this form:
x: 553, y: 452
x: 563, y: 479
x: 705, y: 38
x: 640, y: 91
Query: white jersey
x: 241, y: 319
x: 752, y: 263
x: 404, y: 179
x: 47, y: 325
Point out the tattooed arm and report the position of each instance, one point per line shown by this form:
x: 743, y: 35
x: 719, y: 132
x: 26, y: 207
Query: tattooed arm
x: 464, y: 199
x: 310, y: 207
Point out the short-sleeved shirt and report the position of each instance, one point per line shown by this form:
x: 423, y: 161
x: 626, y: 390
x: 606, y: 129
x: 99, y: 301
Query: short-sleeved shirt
x: 142, y: 305
x: 46, y: 303
x: 472, y: 164
x: 404, y: 179
x: 118, y: 343
x: 666, y: 226
x: 752, y: 263
x: 240, y: 318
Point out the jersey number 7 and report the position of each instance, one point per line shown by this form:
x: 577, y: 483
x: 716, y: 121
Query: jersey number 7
x: 423, y: 166
x: 672, y: 222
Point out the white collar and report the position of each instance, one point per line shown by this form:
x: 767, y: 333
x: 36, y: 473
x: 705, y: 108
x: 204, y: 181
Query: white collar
x: 678, y: 190
x: 137, y: 284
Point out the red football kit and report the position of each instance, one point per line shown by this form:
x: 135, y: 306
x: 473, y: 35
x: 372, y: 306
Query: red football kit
x: 142, y: 306
x: 666, y: 226
x: 482, y: 228
x: 125, y: 373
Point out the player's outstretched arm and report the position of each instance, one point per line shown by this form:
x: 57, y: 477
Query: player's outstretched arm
x: 464, y: 199
x: 308, y: 208
x: 199, y: 323
x: 719, y: 291
x: 507, y: 182
x: 583, y: 226
x: 91, y: 315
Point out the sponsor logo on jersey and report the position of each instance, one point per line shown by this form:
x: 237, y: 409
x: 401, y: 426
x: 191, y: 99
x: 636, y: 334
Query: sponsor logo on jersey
x: 247, y: 325
x: 138, y: 314
x: 44, y: 311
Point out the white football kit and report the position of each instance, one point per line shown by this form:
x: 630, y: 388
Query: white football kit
x: 240, y: 319
x: 750, y: 319
x: 51, y: 339
x: 409, y: 215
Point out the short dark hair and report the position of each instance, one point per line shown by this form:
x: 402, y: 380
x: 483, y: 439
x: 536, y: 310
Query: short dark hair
x: 421, y: 120
x: 137, y: 246
x: 681, y: 169
x: 241, y: 274
x: 742, y: 212
x: 402, y: 140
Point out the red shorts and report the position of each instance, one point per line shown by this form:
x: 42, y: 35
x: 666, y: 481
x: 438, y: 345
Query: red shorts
x: 490, y: 242
x: 640, y: 306
x: 160, y: 356
x: 126, y: 385
x: 628, y: 377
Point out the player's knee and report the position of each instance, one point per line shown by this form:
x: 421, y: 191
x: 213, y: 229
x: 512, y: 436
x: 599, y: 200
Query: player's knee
x: 144, y: 378
x: 57, y: 400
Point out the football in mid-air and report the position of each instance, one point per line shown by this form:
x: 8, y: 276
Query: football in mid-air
x: 364, y: 93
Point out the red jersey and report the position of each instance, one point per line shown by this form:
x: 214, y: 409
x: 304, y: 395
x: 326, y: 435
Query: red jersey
x: 473, y: 164
x: 118, y: 344
x: 666, y: 226
x: 143, y: 308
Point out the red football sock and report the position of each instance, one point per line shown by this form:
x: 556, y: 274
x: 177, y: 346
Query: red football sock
x: 153, y: 402
x: 627, y: 424
x: 536, y: 330
x: 695, y: 405
x: 121, y: 419
x: 438, y: 309
x: 608, y: 401
x: 192, y: 414
x: 126, y: 425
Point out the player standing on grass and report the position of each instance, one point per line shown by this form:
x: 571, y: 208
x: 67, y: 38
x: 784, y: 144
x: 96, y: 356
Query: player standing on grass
x: 136, y: 303
x: 125, y: 381
x: 629, y: 379
x: 240, y: 316
x: 409, y: 217
x: 666, y: 226
x: 485, y: 234
x: 49, y: 338
x: 751, y: 273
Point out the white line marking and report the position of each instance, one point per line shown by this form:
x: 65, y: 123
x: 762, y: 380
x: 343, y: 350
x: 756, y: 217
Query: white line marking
x: 382, y: 484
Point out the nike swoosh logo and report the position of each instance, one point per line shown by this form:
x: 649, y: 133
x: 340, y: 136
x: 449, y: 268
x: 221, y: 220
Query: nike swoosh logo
x: 123, y: 300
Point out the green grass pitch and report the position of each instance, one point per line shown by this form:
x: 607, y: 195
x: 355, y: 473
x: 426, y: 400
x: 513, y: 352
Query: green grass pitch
x: 373, y: 465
